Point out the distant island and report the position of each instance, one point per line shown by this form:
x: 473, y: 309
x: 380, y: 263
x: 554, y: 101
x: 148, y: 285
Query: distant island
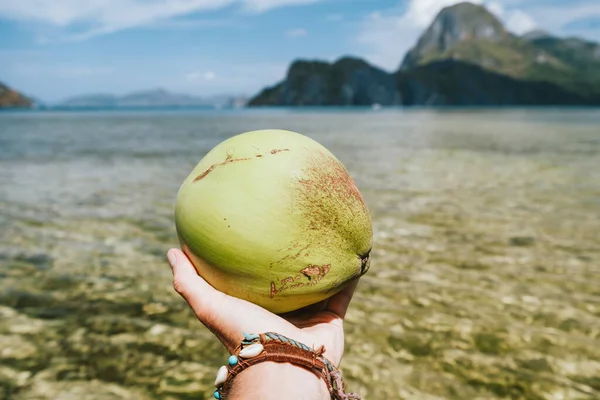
x: 150, y: 98
x: 10, y: 98
x: 465, y: 57
x: 156, y: 98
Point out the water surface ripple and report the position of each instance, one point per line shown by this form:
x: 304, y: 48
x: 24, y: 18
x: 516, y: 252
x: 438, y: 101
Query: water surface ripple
x: 484, y: 284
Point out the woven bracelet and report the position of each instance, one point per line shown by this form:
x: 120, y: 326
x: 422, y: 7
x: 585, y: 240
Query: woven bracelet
x: 257, y: 348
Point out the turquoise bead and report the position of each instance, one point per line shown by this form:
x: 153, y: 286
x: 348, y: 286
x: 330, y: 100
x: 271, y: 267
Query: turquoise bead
x: 232, y: 360
x: 216, y: 394
x: 250, y: 337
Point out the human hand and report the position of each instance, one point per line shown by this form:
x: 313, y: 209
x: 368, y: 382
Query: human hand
x: 227, y: 317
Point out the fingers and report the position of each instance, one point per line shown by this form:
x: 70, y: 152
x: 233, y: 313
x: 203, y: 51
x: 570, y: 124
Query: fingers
x: 226, y: 316
x: 338, y: 303
x: 204, y: 300
x: 195, y: 290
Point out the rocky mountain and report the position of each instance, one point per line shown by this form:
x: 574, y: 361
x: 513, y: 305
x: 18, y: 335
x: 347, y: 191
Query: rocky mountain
x: 149, y: 98
x: 469, y: 33
x: 453, y: 27
x: 348, y: 81
x: 10, y: 98
x: 438, y: 83
x: 465, y: 57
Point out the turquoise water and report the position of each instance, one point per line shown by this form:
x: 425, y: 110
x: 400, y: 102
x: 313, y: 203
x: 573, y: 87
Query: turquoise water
x: 484, y: 281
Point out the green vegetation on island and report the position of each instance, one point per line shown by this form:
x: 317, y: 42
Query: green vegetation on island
x: 465, y: 57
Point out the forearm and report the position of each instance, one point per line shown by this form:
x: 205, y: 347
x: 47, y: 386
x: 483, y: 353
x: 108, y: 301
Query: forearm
x: 270, y: 381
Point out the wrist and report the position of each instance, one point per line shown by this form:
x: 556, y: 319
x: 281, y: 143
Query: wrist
x: 270, y: 381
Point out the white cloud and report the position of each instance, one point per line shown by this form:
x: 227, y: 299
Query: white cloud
x: 107, y: 16
x: 114, y: 13
x: 209, y: 76
x: 264, y: 5
x: 556, y: 19
x: 519, y: 22
x: 515, y: 20
x: 295, y: 33
x: 495, y: 8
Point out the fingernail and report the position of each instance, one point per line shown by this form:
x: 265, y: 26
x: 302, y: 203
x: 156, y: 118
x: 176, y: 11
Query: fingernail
x: 172, y: 258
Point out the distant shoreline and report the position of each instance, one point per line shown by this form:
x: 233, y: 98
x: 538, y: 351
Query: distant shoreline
x: 297, y: 108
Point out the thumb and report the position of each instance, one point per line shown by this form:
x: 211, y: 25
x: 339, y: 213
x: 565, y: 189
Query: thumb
x: 202, y: 297
x: 227, y: 317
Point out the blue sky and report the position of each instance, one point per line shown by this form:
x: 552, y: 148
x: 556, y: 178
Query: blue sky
x: 53, y: 49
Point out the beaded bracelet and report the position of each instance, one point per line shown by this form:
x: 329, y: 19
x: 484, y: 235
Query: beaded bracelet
x: 257, y: 348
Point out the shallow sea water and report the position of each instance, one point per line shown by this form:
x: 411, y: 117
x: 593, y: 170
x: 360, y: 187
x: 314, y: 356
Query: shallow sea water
x: 484, y: 282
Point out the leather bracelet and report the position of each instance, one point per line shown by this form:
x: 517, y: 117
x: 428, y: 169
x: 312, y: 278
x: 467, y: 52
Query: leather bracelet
x: 270, y: 346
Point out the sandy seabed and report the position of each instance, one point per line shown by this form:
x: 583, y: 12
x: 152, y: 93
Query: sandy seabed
x: 485, y: 276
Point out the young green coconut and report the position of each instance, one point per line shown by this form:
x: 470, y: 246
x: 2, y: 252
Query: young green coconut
x: 274, y: 218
